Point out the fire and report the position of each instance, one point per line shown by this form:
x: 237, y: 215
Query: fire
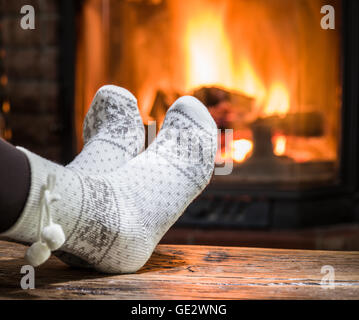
x: 241, y: 149
x: 278, y: 100
x: 236, y: 45
x: 209, y: 54
x: 279, y: 145
x: 210, y: 60
x: 248, y: 82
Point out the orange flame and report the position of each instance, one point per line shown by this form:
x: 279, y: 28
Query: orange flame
x: 278, y: 100
x: 241, y: 149
x: 209, y: 54
x: 279, y: 145
x: 210, y: 61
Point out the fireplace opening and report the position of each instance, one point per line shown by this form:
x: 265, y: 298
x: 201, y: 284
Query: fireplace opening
x: 265, y: 69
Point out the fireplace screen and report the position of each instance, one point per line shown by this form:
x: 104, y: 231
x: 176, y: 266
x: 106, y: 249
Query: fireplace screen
x: 265, y: 69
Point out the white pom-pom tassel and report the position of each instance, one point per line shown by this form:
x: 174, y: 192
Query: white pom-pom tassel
x: 51, y: 237
x: 54, y: 236
x: 37, y: 254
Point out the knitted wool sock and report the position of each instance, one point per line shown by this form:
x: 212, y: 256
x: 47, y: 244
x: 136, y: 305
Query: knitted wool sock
x: 113, y: 132
x: 114, y: 221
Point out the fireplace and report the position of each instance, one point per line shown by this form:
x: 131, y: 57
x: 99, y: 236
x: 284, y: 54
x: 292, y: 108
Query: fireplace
x: 265, y: 69
x: 285, y: 87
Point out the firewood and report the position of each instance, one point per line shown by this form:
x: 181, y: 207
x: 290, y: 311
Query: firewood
x: 228, y: 108
x: 214, y: 96
x: 305, y: 124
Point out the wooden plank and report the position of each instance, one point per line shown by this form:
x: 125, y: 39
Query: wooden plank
x: 191, y: 272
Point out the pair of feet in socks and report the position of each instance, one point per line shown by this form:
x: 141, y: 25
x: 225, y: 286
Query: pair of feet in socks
x: 112, y: 204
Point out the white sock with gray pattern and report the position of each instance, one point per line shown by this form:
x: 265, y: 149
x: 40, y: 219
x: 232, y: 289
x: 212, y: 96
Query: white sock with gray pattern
x: 113, y: 221
x: 113, y: 132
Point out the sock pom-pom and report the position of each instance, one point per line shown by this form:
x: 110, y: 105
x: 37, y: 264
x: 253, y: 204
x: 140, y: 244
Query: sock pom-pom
x: 54, y: 236
x: 37, y: 254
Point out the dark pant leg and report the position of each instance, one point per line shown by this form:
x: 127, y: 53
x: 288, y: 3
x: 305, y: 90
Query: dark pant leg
x: 15, y: 182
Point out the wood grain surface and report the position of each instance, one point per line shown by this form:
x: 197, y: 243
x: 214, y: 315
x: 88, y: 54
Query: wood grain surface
x: 191, y: 272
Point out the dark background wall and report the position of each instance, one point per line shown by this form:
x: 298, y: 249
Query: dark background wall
x: 34, y: 88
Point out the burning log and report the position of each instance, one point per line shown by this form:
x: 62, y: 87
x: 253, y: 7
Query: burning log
x: 305, y: 124
x: 213, y: 96
x: 228, y: 108
x: 310, y: 124
x: 263, y: 164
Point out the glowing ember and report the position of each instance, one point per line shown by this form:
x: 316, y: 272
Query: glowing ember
x: 279, y: 145
x: 6, y: 107
x: 241, y: 149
